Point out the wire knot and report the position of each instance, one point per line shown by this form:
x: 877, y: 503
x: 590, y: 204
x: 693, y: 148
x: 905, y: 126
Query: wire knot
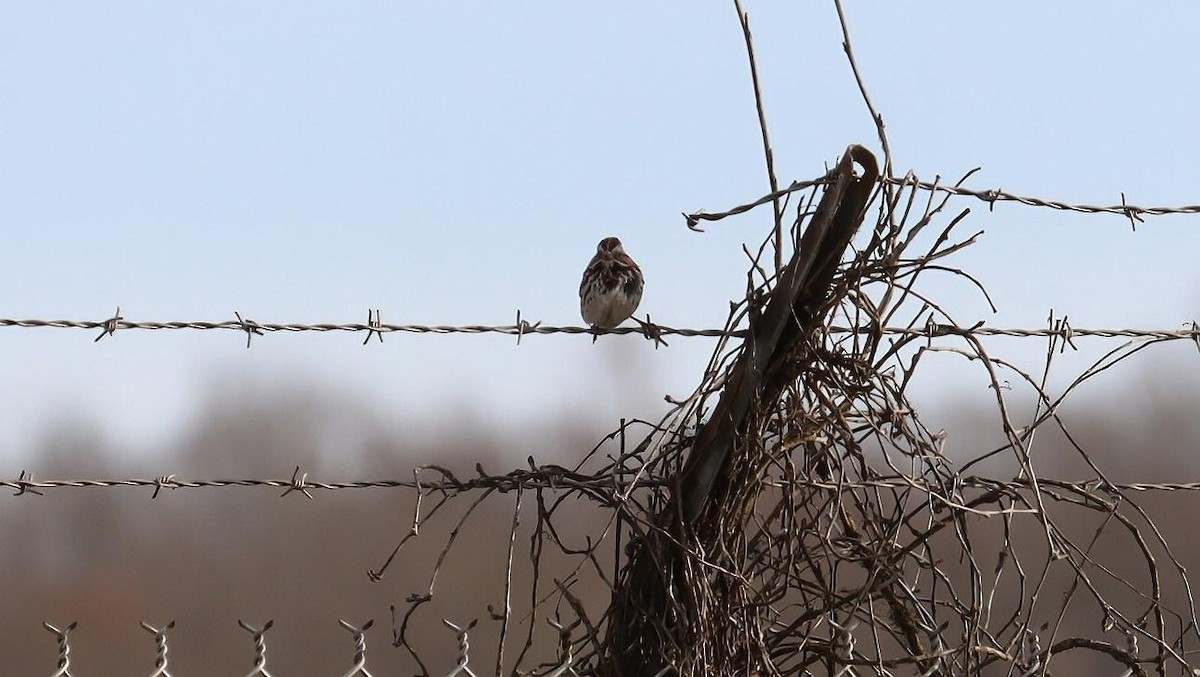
x: 251, y: 327
x: 1131, y: 212
x: 299, y: 483
x: 524, y: 326
x: 374, y: 323
x: 26, y: 485
x: 1067, y: 334
x: 991, y: 196
x: 111, y: 325
x: 651, y: 331
x: 161, y: 482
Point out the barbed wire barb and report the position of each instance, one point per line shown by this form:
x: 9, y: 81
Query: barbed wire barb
x: 651, y: 331
x: 374, y: 321
x: 299, y: 482
x: 161, y: 482
x: 524, y: 326
x: 24, y: 484
x: 252, y: 328
x: 110, y: 325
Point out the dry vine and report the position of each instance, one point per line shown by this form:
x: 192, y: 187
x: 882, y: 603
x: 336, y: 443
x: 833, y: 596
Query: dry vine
x: 794, y: 515
x: 836, y: 537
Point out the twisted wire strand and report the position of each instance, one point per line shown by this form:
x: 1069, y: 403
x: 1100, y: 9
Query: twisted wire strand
x: 1064, y: 331
x: 991, y: 196
x: 542, y: 479
x: 1191, y: 331
x: 247, y: 325
x: 553, y: 477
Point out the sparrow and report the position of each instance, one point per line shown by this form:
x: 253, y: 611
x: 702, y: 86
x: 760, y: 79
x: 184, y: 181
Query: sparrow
x: 612, y: 286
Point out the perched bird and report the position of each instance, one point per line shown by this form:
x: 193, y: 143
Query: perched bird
x: 612, y: 286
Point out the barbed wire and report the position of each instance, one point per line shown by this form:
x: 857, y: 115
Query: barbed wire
x: 1190, y: 330
x: 547, y: 478
x: 991, y: 196
x: 373, y: 327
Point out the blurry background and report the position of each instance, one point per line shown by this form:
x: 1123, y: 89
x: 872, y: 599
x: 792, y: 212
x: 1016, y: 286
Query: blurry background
x: 301, y: 162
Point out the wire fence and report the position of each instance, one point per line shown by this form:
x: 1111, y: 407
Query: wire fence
x: 258, y: 637
x: 794, y: 514
x: 825, y: 544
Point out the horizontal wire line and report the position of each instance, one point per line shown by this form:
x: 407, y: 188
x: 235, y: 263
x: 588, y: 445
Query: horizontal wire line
x: 248, y: 325
x: 930, y: 330
x: 996, y: 195
x: 990, y: 196
x: 550, y: 479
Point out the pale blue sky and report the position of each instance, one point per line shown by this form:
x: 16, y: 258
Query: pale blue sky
x: 451, y: 162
